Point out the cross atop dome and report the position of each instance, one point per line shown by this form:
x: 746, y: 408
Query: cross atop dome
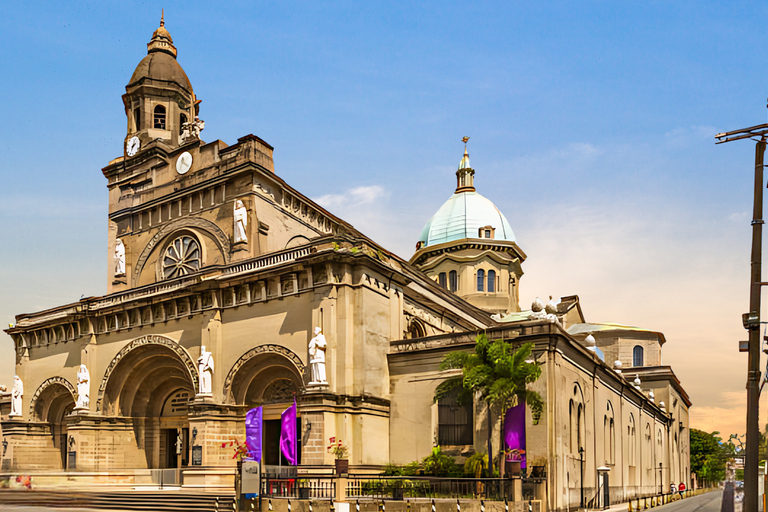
x: 161, y: 39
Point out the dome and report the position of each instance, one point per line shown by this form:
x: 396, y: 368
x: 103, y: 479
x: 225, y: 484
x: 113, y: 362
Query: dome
x: 159, y: 65
x: 462, y: 216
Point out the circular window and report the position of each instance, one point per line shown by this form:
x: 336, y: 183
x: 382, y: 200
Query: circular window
x: 182, y: 257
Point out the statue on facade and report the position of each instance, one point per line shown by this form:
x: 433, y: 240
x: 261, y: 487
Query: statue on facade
x: 119, y: 258
x: 205, y: 367
x: 192, y: 129
x: 16, y: 394
x: 83, y: 388
x: 317, y: 348
x: 241, y: 222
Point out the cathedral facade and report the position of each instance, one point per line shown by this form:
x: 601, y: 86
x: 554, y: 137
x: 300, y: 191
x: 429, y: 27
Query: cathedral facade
x: 220, y: 278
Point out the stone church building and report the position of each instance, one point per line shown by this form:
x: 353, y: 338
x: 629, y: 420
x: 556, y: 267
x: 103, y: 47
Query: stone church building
x: 213, y: 256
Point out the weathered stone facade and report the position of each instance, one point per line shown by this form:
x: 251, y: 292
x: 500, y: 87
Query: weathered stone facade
x: 182, y: 279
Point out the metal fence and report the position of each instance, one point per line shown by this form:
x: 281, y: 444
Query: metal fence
x: 359, y: 486
x: 166, y: 477
x: 304, y: 487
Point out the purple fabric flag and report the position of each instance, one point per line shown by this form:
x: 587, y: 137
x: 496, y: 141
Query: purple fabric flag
x: 253, y: 425
x: 514, y: 432
x: 288, y: 434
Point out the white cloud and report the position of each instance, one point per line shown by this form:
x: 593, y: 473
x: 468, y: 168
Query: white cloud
x: 353, y: 197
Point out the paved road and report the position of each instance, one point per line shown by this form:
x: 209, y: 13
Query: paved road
x: 708, y: 502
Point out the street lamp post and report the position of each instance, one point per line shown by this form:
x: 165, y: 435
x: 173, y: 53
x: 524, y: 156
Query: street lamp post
x: 581, y: 459
x: 751, y: 320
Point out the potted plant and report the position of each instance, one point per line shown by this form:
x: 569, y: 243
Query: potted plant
x: 539, y: 467
x: 513, y: 461
x: 337, y: 448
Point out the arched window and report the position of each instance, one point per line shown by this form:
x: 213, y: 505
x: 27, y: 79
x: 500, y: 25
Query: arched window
x: 637, y: 356
x: 441, y: 280
x: 160, y: 117
x: 480, y: 279
x: 182, y: 120
x: 182, y: 257
x: 492, y: 281
x: 453, y: 281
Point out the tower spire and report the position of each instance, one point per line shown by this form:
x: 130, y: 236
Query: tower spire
x: 161, y: 39
x: 162, y: 17
x: 465, y: 174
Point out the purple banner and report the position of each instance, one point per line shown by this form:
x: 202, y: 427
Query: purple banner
x: 514, y: 433
x: 288, y: 434
x: 253, y: 425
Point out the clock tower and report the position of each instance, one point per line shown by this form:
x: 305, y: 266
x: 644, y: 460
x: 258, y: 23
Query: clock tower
x: 160, y: 105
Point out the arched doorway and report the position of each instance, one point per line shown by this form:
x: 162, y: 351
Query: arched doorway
x: 270, y: 376
x: 53, y: 400
x: 152, y: 381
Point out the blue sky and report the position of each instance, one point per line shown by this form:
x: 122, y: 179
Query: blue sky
x: 591, y: 128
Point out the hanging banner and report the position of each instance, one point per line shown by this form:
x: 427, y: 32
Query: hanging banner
x: 288, y: 434
x: 514, y: 433
x: 253, y: 426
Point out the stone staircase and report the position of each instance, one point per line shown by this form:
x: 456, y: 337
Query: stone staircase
x: 159, y: 501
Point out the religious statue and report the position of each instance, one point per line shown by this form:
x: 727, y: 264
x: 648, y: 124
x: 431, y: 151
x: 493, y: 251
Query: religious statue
x: 119, y: 258
x: 317, y: 347
x: 192, y: 129
x: 16, y: 393
x: 83, y: 388
x: 205, y: 367
x: 241, y: 222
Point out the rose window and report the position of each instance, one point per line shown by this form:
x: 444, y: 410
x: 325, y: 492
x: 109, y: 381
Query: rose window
x: 182, y: 257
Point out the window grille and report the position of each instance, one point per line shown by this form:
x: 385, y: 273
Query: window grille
x: 492, y: 281
x: 480, y: 279
x: 637, y: 356
x: 160, y: 117
x: 441, y: 280
x: 455, y: 422
x: 453, y: 281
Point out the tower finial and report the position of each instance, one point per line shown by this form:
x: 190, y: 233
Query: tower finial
x: 464, y: 181
x: 162, y: 17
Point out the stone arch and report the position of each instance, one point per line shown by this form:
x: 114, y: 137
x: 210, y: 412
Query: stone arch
x: 297, y: 241
x: 271, y: 365
x: 162, y: 366
x: 207, y: 228
x: 52, y: 397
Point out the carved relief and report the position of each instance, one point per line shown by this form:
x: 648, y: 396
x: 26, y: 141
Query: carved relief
x: 262, y: 349
x: 151, y: 339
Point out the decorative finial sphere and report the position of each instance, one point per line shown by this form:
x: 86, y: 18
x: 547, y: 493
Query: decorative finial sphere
x: 617, y: 364
x: 636, y: 382
x: 551, y: 306
x: 590, y: 340
x: 537, y: 305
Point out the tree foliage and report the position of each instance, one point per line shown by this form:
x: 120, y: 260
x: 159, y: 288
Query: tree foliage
x: 709, y: 454
x: 497, y: 372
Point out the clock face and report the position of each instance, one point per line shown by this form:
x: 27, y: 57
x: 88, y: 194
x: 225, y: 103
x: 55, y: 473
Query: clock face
x: 132, y: 146
x: 183, y: 163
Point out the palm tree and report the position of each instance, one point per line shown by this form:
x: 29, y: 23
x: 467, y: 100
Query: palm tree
x: 497, y: 373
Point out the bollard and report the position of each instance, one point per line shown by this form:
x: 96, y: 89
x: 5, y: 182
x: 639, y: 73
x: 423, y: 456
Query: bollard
x: 357, y: 506
x: 383, y: 506
x: 270, y: 504
x: 407, y: 505
x: 310, y: 505
x: 333, y: 509
x: 506, y: 505
x: 433, y: 505
x: 530, y: 507
x: 482, y: 506
x: 458, y: 505
x: 289, y: 504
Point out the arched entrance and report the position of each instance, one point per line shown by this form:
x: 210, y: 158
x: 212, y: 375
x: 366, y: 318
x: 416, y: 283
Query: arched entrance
x: 151, y: 381
x: 269, y: 376
x: 53, y: 400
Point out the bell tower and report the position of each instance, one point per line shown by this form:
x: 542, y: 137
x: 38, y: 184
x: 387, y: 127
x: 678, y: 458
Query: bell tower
x: 159, y: 101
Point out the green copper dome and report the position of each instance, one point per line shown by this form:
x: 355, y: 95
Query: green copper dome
x: 462, y: 216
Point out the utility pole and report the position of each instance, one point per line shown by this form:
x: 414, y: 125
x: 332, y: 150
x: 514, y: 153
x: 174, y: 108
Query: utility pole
x: 751, y: 320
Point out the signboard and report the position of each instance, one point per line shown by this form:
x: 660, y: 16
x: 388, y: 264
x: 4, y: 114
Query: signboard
x: 72, y: 460
x: 197, y: 455
x: 250, y: 481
